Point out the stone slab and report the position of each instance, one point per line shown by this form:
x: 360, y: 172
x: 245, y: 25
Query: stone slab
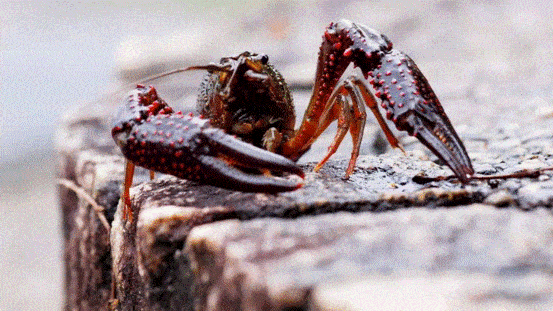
x: 471, y: 257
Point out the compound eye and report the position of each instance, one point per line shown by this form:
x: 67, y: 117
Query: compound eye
x: 264, y: 59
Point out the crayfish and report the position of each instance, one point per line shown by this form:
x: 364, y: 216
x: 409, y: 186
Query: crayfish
x: 247, y: 129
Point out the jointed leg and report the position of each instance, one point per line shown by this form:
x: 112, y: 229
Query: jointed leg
x: 370, y: 101
x: 346, y: 105
x: 129, y: 174
x: 343, y: 114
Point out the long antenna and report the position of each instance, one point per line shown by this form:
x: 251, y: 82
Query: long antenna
x: 209, y: 67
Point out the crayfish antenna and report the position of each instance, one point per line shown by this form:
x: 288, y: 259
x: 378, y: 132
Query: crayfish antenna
x: 212, y: 67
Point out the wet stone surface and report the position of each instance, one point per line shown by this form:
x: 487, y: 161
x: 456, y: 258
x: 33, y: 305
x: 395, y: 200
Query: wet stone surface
x: 383, y: 226
x: 254, y: 260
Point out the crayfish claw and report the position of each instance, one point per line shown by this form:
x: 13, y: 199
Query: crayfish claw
x: 412, y: 105
x: 242, y: 165
x: 436, y: 133
x: 151, y: 135
x: 385, y: 77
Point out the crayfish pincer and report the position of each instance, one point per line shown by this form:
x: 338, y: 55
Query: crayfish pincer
x: 150, y: 134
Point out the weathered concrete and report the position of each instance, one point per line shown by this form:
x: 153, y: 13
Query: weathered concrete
x: 471, y: 257
x: 170, y: 208
x: 151, y: 268
x: 87, y: 248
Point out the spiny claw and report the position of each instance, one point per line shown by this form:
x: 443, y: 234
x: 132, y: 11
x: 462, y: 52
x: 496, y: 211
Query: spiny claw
x: 152, y: 136
x: 403, y: 91
x: 412, y: 105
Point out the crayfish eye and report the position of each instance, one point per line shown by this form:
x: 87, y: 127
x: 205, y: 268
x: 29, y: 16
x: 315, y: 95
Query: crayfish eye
x: 264, y: 59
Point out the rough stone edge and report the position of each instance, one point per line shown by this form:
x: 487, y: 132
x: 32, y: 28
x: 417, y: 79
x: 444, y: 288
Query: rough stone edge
x: 87, y: 248
x: 205, y: 249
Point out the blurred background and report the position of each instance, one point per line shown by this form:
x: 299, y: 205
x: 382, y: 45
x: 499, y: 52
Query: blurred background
x: 56, y: 55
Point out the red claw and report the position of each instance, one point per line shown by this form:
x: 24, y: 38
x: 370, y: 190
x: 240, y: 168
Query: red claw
x: 149, y: 139
x: 190, y: 148
x: 429, y: 123
x: 398, y: 83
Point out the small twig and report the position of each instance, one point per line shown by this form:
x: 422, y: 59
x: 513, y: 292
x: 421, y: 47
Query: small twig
x: 81, y: 193
x: 521, y: 174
